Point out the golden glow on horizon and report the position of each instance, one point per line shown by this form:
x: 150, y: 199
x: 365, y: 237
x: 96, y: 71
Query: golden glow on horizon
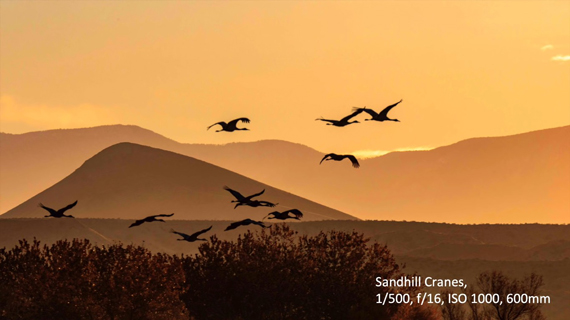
x: 367, y: 154
x: 464, y: 69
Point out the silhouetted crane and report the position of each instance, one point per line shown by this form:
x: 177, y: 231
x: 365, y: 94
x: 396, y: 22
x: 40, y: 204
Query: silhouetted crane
x: 230, y: 126
x: 285, y: 214
x: 193, y: 237
x: 150, y: 219
x: 340, y: 157
x: 258, y: 203
x: 59, y: 213
x: 245, y: 223
x: 342, y: 122
x: 382, y: 116
x: 241, y: 200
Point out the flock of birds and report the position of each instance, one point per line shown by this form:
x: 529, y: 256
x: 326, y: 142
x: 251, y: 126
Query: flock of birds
x: 240, y: 200
x: 376, y: 116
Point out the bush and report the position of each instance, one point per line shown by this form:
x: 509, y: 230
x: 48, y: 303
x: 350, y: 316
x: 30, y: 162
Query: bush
x: 273, y: 274
x: 281, y: 275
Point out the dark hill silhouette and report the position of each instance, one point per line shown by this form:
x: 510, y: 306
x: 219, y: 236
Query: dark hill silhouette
x: 512, y: 179
x: 133, y: 181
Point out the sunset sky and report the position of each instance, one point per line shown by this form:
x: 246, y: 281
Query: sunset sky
x: 464, y: 69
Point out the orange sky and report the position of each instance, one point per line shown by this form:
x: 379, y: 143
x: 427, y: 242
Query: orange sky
x: 464, y: 68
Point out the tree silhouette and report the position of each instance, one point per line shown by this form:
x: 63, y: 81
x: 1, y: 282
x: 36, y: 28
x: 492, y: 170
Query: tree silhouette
x: 278, y: 274
x: 75, y: 280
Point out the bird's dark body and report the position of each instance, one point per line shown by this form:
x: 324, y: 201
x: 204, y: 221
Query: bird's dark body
x: 150, y: 219
x: 382, y: 115
x: 245, y: 223
x: 241, y: 200
x: 342, y: 122
x: 193, y: 237
x: 59, y: 213
x: 230, y: 126
x: 297, y: 214
x: 340, y: 157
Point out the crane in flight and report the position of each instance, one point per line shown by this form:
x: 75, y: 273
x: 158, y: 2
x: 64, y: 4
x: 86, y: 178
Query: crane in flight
x: 340, y: 157
x: 245, y: 223
x: 150, y: 219
x: 297, y: 214
x: 342, y: 122
x: 230, y: 126
x: 193, y: 237
x: 382, y: 115
x: 59, y: 213
x: 241, y: 200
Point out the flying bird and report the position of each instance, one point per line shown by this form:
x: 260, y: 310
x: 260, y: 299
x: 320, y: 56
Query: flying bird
x: 340, y: 157
x: 285, y: 214
x: 382, y: 116
x: 241, y: 200
x: 150, y: 219
x: 193, y: 237
x: 245, y: 223
x: 230, y: 126
x: 342, y: 122
x: 59, y: 213
x: 259, y: 203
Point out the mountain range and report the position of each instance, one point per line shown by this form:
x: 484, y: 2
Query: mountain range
x: 132, y: 181
x: 513, y: 179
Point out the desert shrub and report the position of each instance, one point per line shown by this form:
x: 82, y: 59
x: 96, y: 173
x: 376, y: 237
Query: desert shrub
x: 75, y: 280
x: 272, y: 274
x: 278, y: 274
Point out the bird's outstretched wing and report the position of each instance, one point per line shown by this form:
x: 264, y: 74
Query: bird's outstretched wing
x: 259, y: 223
x: 267, y: 204
x: 354, y: 114
x: 323, y: 159
x: 50, y: 210
x: 353, y: 160
x: 163, y: 215
x: 235, y: 121
x: 184, y: 235
x: 327, y: 120
x: 196, y: 234
x: 257, y: 194
x: 236, y: 224
x: 236, y: 194
x: 68, y: 207
x: 369, y: 111
x: 296, y: 212
x: 384, y: 113
x: 222, y: 123
x: 137, y: 223
x: 274, y: 213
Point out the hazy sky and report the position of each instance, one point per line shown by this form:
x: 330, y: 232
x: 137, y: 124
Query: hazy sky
x: 463, y: 68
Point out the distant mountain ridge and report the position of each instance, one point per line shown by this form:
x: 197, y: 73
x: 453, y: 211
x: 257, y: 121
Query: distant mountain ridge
x: 131, y: 181
x: 512, y: 179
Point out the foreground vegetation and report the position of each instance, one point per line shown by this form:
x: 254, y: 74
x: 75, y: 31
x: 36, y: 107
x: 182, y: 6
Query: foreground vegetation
x: 265, y: 275
x: 274, y: 274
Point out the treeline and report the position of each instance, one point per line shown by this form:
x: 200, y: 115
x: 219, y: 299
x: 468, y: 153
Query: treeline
x: 274, y: 274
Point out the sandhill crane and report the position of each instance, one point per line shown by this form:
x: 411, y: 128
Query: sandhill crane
x: 340, y: 157
x: 59, y: 213
x: 150, y: 219
x: 285, y: 214
x: 382, y: 116
x: 342, y: 122
x: 230, y: 126
x: 245, y: 223
x: 241, y: 200
x: 193, y: 237
x: 258, y: 203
